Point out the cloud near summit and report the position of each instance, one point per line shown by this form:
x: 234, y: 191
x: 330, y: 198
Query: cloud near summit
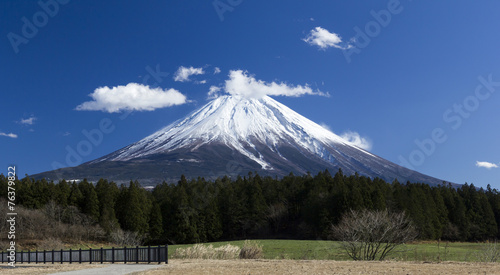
x: 356, y: 139
x: 132, y: 97
x: 243, y: 84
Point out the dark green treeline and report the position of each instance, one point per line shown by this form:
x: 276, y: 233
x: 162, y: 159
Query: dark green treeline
x: 299, y: 207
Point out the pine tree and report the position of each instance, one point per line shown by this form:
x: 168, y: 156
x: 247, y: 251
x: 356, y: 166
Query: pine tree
x: 63, y: 193
x: 133, y: 208
x: 75, y: 195
x: 155, y: 222
x: 185, y: 230
x: 89, y: 203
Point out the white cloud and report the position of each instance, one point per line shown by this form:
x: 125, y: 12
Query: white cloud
x: 11, y: 135
x: 133, y: 97
x: 28, y: 121
x: 324, y: 125
x: 240, y: 83
x: 217, y: 70
x: 213, y: 92
x: 485, y: 164
x: 324, y: 39
x: 183, y: 73
x: 357, y: 140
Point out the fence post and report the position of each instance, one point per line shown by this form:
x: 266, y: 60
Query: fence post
x: 44, y: 257
x: 36, y: 256
x: 52, y: 255
x: 102, y: 255
x: 70, y: 256
x: 136, y: 254
x: 29, y: 256
x: 125, y: 254
x: 158, y: 252
x: 166, y: 253
x: 80, y: 255
x: 61, y: 256
x: 90, y: 255
x: 113, y: 255
x: 149, y: 254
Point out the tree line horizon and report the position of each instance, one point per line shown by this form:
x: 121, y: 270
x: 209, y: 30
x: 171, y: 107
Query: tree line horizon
x: 293, y: 207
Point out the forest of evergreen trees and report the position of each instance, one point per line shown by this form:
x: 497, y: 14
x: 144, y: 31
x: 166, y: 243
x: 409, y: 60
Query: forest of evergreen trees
x: 296, y: 207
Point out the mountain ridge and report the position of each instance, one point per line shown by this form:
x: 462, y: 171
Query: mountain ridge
x: 236, y: 135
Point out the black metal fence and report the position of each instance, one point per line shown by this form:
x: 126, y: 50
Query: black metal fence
x: 149, y: 254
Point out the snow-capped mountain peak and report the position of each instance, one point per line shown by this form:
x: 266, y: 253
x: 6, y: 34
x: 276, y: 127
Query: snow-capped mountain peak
x: 240, y: 123
x: 234, y: 135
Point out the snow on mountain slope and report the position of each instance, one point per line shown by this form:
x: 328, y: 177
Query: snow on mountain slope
x: 240, y: 123
x: 232, y: 136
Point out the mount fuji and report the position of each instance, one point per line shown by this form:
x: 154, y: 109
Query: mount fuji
x: 234, y: 135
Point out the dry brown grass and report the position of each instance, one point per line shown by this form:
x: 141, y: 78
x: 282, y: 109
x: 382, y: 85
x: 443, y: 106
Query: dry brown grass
x: 251, y: 250
x: 200, y: 251
x: 192, y: 267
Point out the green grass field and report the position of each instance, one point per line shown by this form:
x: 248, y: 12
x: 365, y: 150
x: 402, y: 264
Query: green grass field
x: 330, y: 250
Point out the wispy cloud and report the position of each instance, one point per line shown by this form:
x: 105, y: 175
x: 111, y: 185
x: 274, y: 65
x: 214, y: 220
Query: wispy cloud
x: 324, y: 39
x: 213, y: 92
x: 133, y: 97
x: 326, y: 126
x: 11, y: 135
x: 217, y: 70
x: 28, y: 121
x: 357, y: 140
x: 240, y: 83
x: 485, y: 164
x: 183, y: 73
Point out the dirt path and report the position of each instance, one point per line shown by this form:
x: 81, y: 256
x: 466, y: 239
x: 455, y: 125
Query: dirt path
x: 195, y: 267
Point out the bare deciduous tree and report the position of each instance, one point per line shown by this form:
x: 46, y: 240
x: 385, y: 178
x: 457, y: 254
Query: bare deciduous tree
x: 372, y: 235
x: 126, y: 238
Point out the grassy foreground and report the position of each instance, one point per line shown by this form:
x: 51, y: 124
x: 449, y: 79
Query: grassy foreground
x: 330, y: 250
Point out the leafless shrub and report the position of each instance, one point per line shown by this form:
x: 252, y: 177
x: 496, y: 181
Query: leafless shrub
x: 371, y: 235
x: 251, y: 250
x: 126, y: 238
x: 71, y: 215
x: 53, y: 211
x: 489, y: 252
x: 51, y: 223
x: 32, y: 224
x: 4, y: 245
x: 50, y: 244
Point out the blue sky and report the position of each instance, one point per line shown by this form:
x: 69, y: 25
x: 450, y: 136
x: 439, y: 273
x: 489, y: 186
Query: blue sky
x: 418, y: 81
